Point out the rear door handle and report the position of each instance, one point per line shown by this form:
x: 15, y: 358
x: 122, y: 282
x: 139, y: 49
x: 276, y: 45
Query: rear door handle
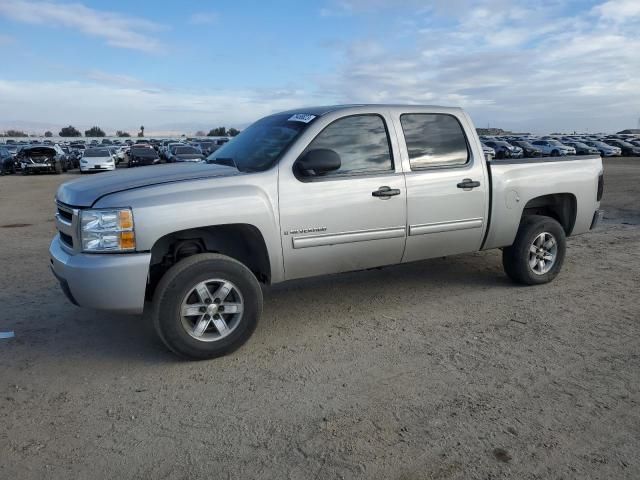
x: 385, y: 192
x: 468, y: 184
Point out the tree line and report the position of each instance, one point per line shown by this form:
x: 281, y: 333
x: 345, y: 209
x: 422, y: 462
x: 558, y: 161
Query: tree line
x: 71, y: 131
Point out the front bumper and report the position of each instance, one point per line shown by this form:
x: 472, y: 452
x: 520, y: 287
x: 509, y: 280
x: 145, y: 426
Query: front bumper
x: 97, y: 168
x: 110, y: 281
x: 39, y: 167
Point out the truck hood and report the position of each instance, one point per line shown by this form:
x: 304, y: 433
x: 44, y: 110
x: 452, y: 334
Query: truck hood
x: 84, y: 192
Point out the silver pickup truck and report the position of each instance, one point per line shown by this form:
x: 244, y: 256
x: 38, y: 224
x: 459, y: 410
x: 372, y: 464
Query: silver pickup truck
x: 309, y: 192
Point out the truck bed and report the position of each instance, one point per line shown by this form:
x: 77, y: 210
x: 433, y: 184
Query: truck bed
x: 514, y: 183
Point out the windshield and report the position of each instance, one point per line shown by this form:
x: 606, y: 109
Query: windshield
x: 185, y: 150
x: 143, y: 152
x: 98, y: 152
x: 259, y: 146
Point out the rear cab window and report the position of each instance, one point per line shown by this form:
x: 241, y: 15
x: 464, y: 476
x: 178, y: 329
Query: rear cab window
x: 434, y: 140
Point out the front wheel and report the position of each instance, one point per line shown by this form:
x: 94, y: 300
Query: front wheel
x: 206, y: 306
x: 538, y: 251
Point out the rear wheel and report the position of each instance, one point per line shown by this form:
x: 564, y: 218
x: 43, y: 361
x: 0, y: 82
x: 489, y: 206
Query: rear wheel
x: 206, y: 306
x: 538, y: 251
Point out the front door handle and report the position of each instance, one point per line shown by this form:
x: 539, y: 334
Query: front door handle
x: 468, y: 184
x: 385, y: 192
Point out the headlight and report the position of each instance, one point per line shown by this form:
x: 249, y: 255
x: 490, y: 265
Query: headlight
x: 107, y: 230
x: 84, y: 161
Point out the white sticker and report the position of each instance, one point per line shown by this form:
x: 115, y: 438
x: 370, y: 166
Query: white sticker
x: 301, y: 117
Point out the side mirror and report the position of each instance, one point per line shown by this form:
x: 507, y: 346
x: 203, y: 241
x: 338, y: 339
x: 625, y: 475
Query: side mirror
x: 320, y: 161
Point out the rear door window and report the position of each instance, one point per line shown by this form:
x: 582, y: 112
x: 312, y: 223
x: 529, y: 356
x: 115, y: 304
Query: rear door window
x: 434, y: 140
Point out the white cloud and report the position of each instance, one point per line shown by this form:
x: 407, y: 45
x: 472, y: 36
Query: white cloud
x: 122, y: 103
x: 619, y: 11
x: 117, y: 30
x: 534, y: 67
x: 204, y: 18
x: 519, y: 65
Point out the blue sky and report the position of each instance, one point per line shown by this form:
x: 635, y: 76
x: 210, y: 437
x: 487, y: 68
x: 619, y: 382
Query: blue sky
x: 190, y: 65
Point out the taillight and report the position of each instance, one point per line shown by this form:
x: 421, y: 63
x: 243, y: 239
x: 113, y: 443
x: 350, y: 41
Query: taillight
x: 600, y: 186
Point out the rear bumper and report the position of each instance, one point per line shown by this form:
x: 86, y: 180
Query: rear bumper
x: 597, y: 218
x: 111, y: 282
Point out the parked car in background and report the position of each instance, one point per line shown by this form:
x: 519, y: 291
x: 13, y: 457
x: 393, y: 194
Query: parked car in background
x: 41, y: 159
x: 141, y: 155
x: 582, y: 148
x: 553, y: 148
x: 7, y: 163
x: 207, y: 146
x: 121, y: 154
x: 627, y: 149
x: 605, y: 149
x: 528, y: 149
x: 504, y: 149
x: 97, y: 159
x: 185, y: 153
x: 12, y: 148
x: 166, y: 150
x: 69, y: 157
x: 489, y: 152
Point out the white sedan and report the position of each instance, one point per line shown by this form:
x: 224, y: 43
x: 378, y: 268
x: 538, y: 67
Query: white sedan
x: 96, y: 160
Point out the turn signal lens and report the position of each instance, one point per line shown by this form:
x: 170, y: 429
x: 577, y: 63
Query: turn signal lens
x: 126, y: 219
x: 127, y: 241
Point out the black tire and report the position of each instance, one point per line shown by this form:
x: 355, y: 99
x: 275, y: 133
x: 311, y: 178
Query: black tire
x: 516, y: 258
x: 555, y: 153
x: 176, y: 284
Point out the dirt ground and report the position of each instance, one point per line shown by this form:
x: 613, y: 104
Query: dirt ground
x: 442, y: 369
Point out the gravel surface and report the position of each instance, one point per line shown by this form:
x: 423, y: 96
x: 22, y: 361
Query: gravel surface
x: 439, y: 369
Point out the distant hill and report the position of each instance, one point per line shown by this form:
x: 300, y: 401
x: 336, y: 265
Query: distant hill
x: 492, y: 132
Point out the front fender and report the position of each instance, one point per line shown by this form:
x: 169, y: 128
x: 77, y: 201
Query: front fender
x: 159, y: 210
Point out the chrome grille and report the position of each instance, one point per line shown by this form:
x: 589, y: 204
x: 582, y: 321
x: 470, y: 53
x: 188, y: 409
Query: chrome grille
x: 67, y: 225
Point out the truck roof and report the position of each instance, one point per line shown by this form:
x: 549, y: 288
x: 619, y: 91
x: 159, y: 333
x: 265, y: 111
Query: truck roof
x: 323, y: 110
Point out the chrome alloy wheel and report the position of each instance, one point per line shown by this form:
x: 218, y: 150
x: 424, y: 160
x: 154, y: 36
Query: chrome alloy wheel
x: 543, y: 253
x: 212, y: 310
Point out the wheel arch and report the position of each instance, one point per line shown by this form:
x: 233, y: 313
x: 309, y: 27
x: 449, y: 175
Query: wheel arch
x: 562, y: 207
x: 241, y: 241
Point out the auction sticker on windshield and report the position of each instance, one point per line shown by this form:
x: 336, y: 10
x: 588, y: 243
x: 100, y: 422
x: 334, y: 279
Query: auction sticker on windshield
x: 301, y: 117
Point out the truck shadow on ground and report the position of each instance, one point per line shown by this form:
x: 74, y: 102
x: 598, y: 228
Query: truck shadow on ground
x: 295, y: 306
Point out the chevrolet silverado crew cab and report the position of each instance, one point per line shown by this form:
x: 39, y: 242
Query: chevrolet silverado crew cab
x: 309, y: 192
